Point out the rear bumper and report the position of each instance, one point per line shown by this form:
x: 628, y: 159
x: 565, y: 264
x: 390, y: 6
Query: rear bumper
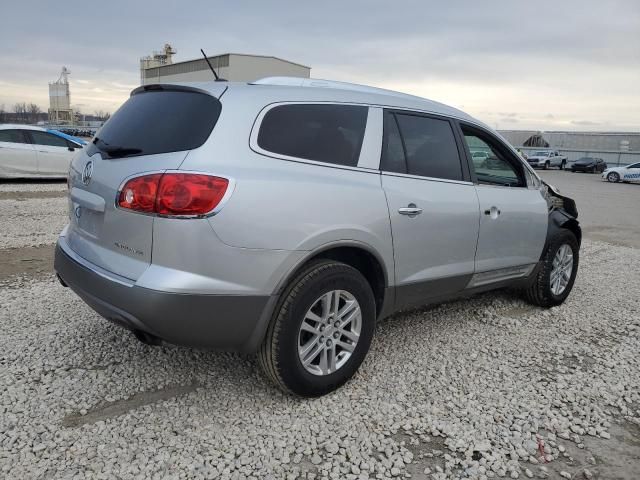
x: 227, y: 322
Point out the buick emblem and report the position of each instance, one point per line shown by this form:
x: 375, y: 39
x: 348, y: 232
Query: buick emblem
x: 87, y: 172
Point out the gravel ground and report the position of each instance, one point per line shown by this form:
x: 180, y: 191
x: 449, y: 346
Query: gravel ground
x: 31, y: 222
x: 484, y: 387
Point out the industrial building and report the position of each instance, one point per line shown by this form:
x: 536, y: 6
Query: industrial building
x: 616, y: 148
x: 234, y: 67
x: 60, y: 112
x: 609, y: 141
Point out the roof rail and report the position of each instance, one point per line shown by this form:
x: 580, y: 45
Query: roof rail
x: 319, y: 83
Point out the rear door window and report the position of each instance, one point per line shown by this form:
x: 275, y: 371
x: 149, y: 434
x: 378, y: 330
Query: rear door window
x: 158, y: 121
x: 44, y: 138
x: 318, y: 132
x: 420, y: 145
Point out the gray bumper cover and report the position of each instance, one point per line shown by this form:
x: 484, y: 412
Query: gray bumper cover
x: 227, y: 322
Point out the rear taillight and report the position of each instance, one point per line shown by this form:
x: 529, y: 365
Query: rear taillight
x: 173, y: 194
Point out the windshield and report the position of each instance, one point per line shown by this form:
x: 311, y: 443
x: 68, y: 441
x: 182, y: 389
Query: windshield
x: 158, y: 121
x: 585, y: 160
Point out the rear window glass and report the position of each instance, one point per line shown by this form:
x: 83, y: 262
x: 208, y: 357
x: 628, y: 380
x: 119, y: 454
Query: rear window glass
x: 158, y: 121
x: 427, y: 147
x: 44, y: 138
x: 323, y: 133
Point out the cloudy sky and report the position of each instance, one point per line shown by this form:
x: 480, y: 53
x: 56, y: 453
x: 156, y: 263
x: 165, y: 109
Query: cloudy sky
x: 513, y: 64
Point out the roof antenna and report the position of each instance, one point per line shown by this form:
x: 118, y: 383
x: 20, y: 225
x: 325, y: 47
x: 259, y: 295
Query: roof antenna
x: 218, y: 79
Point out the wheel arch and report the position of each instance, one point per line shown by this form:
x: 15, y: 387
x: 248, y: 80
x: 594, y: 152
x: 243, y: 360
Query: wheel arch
x: 358, y: 255
x: 559, y: 220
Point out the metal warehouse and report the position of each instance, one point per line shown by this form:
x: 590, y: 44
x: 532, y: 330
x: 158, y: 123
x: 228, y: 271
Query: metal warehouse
x: 235, y: 67
x: 611, y: 141
x: 616, y: 148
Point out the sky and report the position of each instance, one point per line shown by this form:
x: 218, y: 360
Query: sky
x: 543, y: 65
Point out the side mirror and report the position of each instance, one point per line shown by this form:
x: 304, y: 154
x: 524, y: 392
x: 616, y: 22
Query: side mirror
x: 71, y: 149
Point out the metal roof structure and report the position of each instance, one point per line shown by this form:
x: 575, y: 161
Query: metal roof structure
x: 617, y: 141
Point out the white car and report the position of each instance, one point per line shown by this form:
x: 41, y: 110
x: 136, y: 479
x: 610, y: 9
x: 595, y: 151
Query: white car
x: 28, y: 152
x: 628, y: 173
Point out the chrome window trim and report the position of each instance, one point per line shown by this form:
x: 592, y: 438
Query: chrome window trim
x: 420, y: 177
x: 255, y: 130
x: 225, y: 198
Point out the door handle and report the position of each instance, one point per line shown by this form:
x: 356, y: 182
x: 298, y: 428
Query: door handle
x: 493, y: 212
x: 411, y: 210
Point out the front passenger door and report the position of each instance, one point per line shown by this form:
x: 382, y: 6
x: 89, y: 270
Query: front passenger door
x: 17, y: 155
x: 513, y: 214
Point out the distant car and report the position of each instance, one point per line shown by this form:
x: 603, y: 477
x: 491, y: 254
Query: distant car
x: 482, y: 159
x: 30, y: 152
x: 479, y: 158
x: 589, y: 164
x: 546, y: 159
x: 629, y: 173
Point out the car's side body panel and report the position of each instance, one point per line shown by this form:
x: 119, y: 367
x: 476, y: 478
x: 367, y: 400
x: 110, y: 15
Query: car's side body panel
x: 17, y: 160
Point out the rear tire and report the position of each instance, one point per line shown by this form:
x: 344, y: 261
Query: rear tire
x: 546, y: 165
x: 562, y: 165
x: 281, y: 353
x: 544, y: 290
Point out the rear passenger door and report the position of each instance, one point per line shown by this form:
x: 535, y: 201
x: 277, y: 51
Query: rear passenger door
x: 54, y: 153
x: 514, y: 214
x: 433, y: 206
x: 17, y: 155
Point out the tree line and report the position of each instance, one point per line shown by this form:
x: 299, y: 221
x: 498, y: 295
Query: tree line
x: 23, y: 112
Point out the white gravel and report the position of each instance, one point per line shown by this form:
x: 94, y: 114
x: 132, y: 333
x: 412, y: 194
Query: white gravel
x: 480, y: 388
x: 31, y: 222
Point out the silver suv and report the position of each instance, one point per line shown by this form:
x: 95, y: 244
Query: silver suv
x: 286, y: 217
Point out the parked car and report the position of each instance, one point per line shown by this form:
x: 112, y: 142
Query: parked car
x: 546, y: 159
x: 589, y: 164
x: 264, y: 223
x: 480, y: 158
x: 28, y: 152
x: 628, y: 173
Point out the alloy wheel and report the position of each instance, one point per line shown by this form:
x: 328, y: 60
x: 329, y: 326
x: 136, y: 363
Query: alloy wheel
x: 329, y: 332
x: 561, y: 270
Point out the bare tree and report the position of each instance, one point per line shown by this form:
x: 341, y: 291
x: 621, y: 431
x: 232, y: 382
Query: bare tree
x: 34, y: 112
x: 20, y: 109
x: 2, y: 115
x: 102, y: 115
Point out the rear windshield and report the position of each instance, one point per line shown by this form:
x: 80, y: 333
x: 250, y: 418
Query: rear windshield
x: 158, y: 121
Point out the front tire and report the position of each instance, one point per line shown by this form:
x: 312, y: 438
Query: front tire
x: 546, y: 166
x: 321, y: 330
x: 555, y: 278
x: 562, y: 165
x: 613, y: 177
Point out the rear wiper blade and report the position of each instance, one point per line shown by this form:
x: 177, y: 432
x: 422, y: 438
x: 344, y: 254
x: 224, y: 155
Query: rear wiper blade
x: 116, y: 151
